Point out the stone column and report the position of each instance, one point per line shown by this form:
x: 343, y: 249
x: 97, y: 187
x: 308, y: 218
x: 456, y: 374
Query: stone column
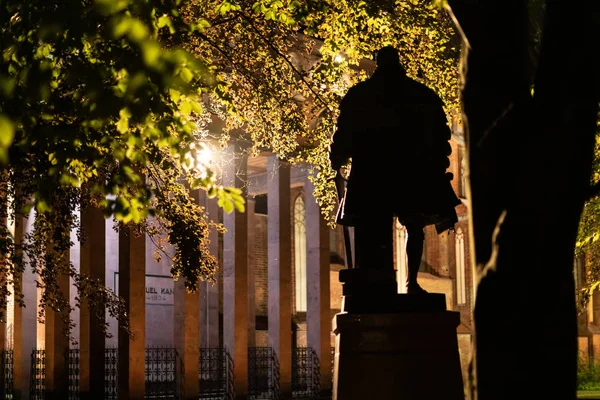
x: 132, y: 285
x: 280, y: 269
x: 187, y: 334
x: 214, y: 322
x: 57, y: 342
x: 318, y: 315
x: 250, y: 203
x: 187, y: 339
x: 235, y: 274
x: 92, y: 339
x: 25, y: 319
x: 203, y: 314
x: 209, y: 293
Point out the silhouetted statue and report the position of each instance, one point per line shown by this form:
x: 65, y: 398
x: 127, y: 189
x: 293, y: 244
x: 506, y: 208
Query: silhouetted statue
x: 395, y: 132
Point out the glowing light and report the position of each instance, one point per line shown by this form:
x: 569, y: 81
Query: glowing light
x: 204, y: 155
x: 338, y: 58
x: 199, y: 159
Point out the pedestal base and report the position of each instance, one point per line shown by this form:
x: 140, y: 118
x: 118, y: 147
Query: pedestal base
x: 402, y: 355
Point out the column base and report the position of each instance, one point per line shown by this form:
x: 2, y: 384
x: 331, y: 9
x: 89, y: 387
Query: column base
x: 402, y: 355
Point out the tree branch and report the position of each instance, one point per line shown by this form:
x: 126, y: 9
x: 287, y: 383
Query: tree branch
x: 287, y: 61
x: 245, y: 73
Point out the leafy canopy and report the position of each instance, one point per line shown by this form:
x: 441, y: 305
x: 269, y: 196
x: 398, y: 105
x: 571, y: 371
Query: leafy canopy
x: 284, y: 66
x: 103, y: 104
x: 96, y: 105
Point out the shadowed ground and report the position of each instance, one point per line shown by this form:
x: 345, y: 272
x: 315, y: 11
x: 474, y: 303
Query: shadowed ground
x: 595, y: 394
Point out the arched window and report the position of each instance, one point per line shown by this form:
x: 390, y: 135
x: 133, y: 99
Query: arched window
x: 401, y: 260
x: 462, y: 173
x: 461, y: 284
x: 300, y: 252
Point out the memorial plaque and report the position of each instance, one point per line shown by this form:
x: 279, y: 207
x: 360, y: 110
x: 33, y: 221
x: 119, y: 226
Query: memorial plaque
x: 159, y: 289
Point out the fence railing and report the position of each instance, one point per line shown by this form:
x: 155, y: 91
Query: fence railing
x: 73, y: 365
x: 263, y: 374
x: 216, y: 374
x: 37, y: 388
x: 7, y: 371
x: 305, y: 373
x: 163, y: 370
x: 111, y: 373
x: 332, y: 365
x: 38, y: 374
x: 162, y: 373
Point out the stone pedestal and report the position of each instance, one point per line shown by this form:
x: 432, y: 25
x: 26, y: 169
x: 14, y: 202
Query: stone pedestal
x: 395, y: 346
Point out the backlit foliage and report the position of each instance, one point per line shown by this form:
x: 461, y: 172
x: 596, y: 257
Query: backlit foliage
x: 102, y: 103
x: 96, y: 110
x: 285, y: 65
x: 588, y: 243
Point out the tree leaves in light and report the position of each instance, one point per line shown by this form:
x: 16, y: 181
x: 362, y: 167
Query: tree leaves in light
x: 7, y: 133
x: 88, y: 118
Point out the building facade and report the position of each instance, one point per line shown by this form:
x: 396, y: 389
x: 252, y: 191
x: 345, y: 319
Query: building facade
x: 277, y: 288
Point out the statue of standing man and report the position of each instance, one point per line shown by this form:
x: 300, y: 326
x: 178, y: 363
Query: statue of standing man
x: 394, y: 131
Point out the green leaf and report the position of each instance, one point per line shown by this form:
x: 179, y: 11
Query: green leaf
x: 137, y: 31
x: 123, y: 123
x: 108, y: 7
x: 41, y: 206
x: 224, y: 203
x: 202, y: 25
x: 175, y: 95
x: 186, y: 74
x: 151, y: 53
x: 7, y: 85
x: 7, y: 131
x: 185, y: 108
x: 196, y: 106
x: 119, y: 26
x: 212, y: 192
x: 70, y: 180
x: 165, y: 20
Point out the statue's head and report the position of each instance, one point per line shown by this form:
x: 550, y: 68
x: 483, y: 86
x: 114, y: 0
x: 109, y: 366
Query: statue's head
x: 388, y: 59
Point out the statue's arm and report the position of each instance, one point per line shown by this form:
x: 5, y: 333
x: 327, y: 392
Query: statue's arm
x: 340, y: 149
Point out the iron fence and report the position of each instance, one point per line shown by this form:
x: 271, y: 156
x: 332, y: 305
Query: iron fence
x: 162, y: 373
x: 8, y: 373
x: 305, y: 373
x: 37, y: 388
x: 216, y: 374
x: 111, y: 373
x: 263, y: 374
x: 332, y: 365
x: 73, y: 370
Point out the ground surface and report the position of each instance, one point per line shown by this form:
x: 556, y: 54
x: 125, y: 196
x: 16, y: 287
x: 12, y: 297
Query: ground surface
x: 588, y: 395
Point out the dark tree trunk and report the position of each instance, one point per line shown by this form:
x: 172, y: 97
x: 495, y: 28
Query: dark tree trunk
x: 530, y: 159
